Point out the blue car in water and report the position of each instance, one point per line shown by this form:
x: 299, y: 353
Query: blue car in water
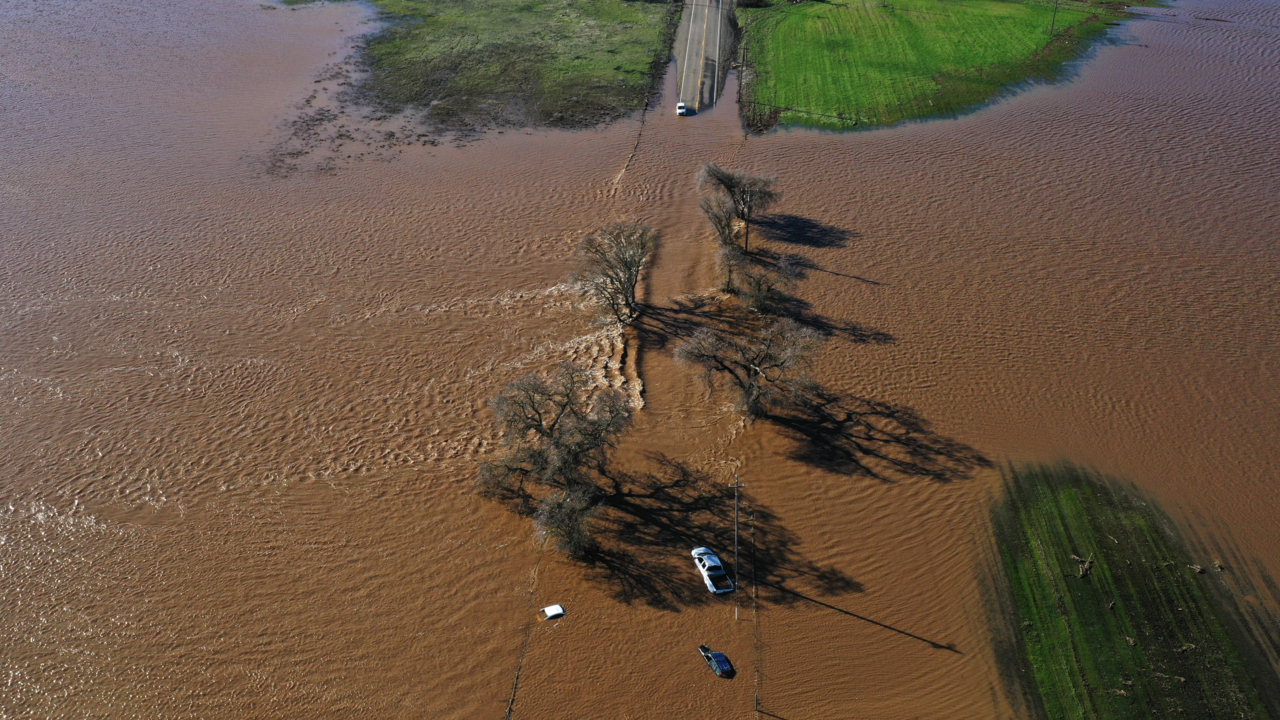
x: 720, y: 664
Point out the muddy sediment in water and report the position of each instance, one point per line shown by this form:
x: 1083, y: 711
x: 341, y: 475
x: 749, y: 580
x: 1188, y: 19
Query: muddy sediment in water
x: 241, y: 411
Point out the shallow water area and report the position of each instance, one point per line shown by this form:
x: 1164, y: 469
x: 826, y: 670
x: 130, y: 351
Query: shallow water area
x: 241, y: 411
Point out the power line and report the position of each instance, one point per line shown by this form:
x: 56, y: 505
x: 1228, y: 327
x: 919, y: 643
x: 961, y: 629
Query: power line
x: 736, y: 486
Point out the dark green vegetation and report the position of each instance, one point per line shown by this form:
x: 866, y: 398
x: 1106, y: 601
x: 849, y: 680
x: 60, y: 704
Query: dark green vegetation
x: 842, y: 63
x: 1116, y: 620
x: 470, y: 63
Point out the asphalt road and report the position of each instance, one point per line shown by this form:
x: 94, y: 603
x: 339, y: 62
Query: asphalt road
x: 703, y: 42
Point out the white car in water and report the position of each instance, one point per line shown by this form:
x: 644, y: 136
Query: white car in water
x: 682, y: 109
x: 712, y: 570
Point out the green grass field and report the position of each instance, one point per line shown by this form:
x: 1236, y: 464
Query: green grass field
x: 1139, y: 635
x: 552, y: 62
x: 845, y: 63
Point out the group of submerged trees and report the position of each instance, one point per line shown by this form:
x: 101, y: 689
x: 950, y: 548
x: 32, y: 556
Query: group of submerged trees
x: 763, y: 359
x: 559, y: 430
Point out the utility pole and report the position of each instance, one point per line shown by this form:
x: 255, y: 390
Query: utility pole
x: 1054, y: 22
x: 736, y: 485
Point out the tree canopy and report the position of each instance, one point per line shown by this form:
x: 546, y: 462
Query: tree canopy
x: 611, y: 261
x: 765, y: 368
x: 556, y: 429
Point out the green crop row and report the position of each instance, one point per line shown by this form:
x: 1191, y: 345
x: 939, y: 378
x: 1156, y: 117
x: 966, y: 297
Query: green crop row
x: 1116, y: 621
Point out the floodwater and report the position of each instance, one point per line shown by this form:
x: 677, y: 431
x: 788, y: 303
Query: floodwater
x: 241, y: 409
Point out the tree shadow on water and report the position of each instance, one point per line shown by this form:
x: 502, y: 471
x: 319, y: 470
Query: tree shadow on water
x: 797, y: 266
x: 856, y: 436
x: 806, y: 232
x: 651, y: 521
x: 785, y: 305
x: 800, y: 230
x: 660, y: 325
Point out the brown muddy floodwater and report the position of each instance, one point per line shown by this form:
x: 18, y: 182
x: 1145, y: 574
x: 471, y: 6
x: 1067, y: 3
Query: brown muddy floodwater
x: 241, y: 410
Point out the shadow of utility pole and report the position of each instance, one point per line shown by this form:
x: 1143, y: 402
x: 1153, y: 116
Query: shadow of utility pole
x: 927, y: 641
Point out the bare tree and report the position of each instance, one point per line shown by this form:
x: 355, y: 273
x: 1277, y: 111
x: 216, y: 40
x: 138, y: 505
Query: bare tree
x: 749, y: 194
x: 731, y: 260
x: 612, y: 259
x: 557, y: 431
x: 756, y: 195
x: 721, y: 215
x: 564, y: 517
x: 762, y: 288
x: 766, y: 368
x: 727, y: 180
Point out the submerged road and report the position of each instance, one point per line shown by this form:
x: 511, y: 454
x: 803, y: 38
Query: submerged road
x: 703, y: 42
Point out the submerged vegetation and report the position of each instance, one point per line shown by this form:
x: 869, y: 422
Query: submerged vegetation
x: 746, y: 195
x: 1115, y: 619
x: 470, y: 63
x: 558, y: 432
x: 765, y: 368
x: 842, y: 64
x: 609, y: 267
x: 755, y: 341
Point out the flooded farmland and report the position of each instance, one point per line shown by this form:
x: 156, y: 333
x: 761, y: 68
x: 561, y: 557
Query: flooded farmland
x: 241, y: 409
